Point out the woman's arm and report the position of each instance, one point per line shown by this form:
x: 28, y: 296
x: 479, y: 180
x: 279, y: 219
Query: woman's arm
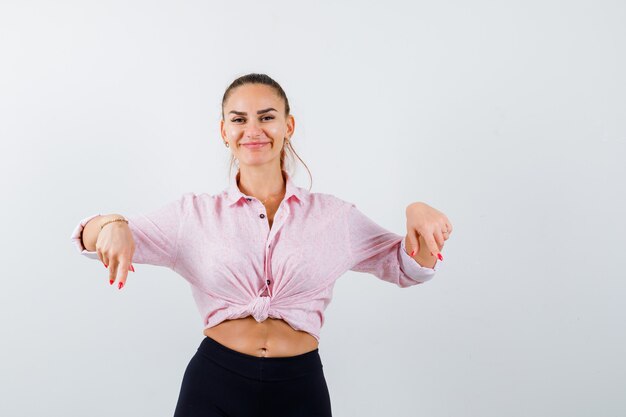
x: 376, y: 250
x: 155, y: 233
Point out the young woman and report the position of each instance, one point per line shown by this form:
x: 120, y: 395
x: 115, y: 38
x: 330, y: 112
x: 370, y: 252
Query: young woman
x: 262, y: 258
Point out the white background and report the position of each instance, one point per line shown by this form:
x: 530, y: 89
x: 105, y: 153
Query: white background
x: 506, y: 116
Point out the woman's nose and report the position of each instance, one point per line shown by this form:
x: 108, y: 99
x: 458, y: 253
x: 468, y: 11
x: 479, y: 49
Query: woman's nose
x: 253, y: 130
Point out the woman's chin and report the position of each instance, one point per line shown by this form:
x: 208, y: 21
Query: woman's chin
x: 255, y: 161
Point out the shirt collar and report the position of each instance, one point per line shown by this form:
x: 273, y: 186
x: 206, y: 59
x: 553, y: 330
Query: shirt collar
x: 234, y: 194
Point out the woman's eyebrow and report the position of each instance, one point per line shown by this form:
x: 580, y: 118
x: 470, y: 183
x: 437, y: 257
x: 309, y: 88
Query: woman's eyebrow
x: 243, y: 113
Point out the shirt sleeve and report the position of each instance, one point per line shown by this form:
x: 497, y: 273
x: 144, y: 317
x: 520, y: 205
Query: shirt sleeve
x: 380, y: 252
x: 77, y: 238
x: 156, y: 233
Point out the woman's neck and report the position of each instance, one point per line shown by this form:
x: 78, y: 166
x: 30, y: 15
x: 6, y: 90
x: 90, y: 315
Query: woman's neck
x: 266, y: 187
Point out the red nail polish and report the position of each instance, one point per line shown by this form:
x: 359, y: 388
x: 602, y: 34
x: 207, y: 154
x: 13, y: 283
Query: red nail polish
x: 105, y: 265
x: 111, y: 282
x: 412, y: 253
x: 132, y: 268
x: 440, y: 256
x: 119, y: 287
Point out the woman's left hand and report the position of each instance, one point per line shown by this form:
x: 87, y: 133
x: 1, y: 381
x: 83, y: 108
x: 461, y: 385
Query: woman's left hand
x: 429, y: 223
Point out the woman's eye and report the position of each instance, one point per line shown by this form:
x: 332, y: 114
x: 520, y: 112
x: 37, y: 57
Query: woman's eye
x: 236, y: 120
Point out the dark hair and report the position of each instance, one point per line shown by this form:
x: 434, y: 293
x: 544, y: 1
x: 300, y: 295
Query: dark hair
x: 288, y: 152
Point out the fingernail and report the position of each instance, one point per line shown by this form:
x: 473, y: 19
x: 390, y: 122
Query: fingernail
x: 111, y: 282
x: 132, y: 268
x: 412, y: 253
x: 119, y: 287
x: 440, y: 256
x: 105, y: 265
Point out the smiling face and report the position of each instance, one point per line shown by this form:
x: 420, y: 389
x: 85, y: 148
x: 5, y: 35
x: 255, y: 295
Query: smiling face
x: 255, y: 125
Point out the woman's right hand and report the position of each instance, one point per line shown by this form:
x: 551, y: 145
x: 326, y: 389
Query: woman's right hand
x: 115, y: 247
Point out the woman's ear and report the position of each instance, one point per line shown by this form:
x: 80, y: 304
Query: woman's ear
x: 291, y: 125
x: 222, y: 132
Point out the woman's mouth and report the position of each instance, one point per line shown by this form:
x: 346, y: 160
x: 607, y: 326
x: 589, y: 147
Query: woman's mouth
x: 255, y: 145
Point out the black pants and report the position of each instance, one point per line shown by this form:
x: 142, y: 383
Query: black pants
x: 220, y: 381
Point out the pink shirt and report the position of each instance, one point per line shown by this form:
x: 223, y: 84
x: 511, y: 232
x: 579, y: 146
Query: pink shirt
x: 238, y: 266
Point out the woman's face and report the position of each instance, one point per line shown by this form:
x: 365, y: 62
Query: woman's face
x: 254, y: 113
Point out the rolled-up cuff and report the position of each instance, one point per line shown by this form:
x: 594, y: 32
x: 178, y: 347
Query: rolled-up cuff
x: 77, y: 238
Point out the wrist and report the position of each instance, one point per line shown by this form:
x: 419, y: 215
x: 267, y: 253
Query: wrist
x: 114, y: 219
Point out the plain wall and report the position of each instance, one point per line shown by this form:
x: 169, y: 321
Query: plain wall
x: 506, y: 116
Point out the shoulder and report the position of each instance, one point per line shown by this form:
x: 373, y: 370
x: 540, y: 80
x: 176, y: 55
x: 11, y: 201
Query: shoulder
x: 329, y: 201
x: 188, y: 198
x: 192, y: 200
x: 201, y: 196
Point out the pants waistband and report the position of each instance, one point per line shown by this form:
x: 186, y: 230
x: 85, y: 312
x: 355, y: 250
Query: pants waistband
x: 258, y: 367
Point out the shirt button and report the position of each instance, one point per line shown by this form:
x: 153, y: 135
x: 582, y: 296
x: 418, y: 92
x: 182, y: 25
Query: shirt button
x: 262, y: 215
x: 268, y: 282
x: 248, y: 198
